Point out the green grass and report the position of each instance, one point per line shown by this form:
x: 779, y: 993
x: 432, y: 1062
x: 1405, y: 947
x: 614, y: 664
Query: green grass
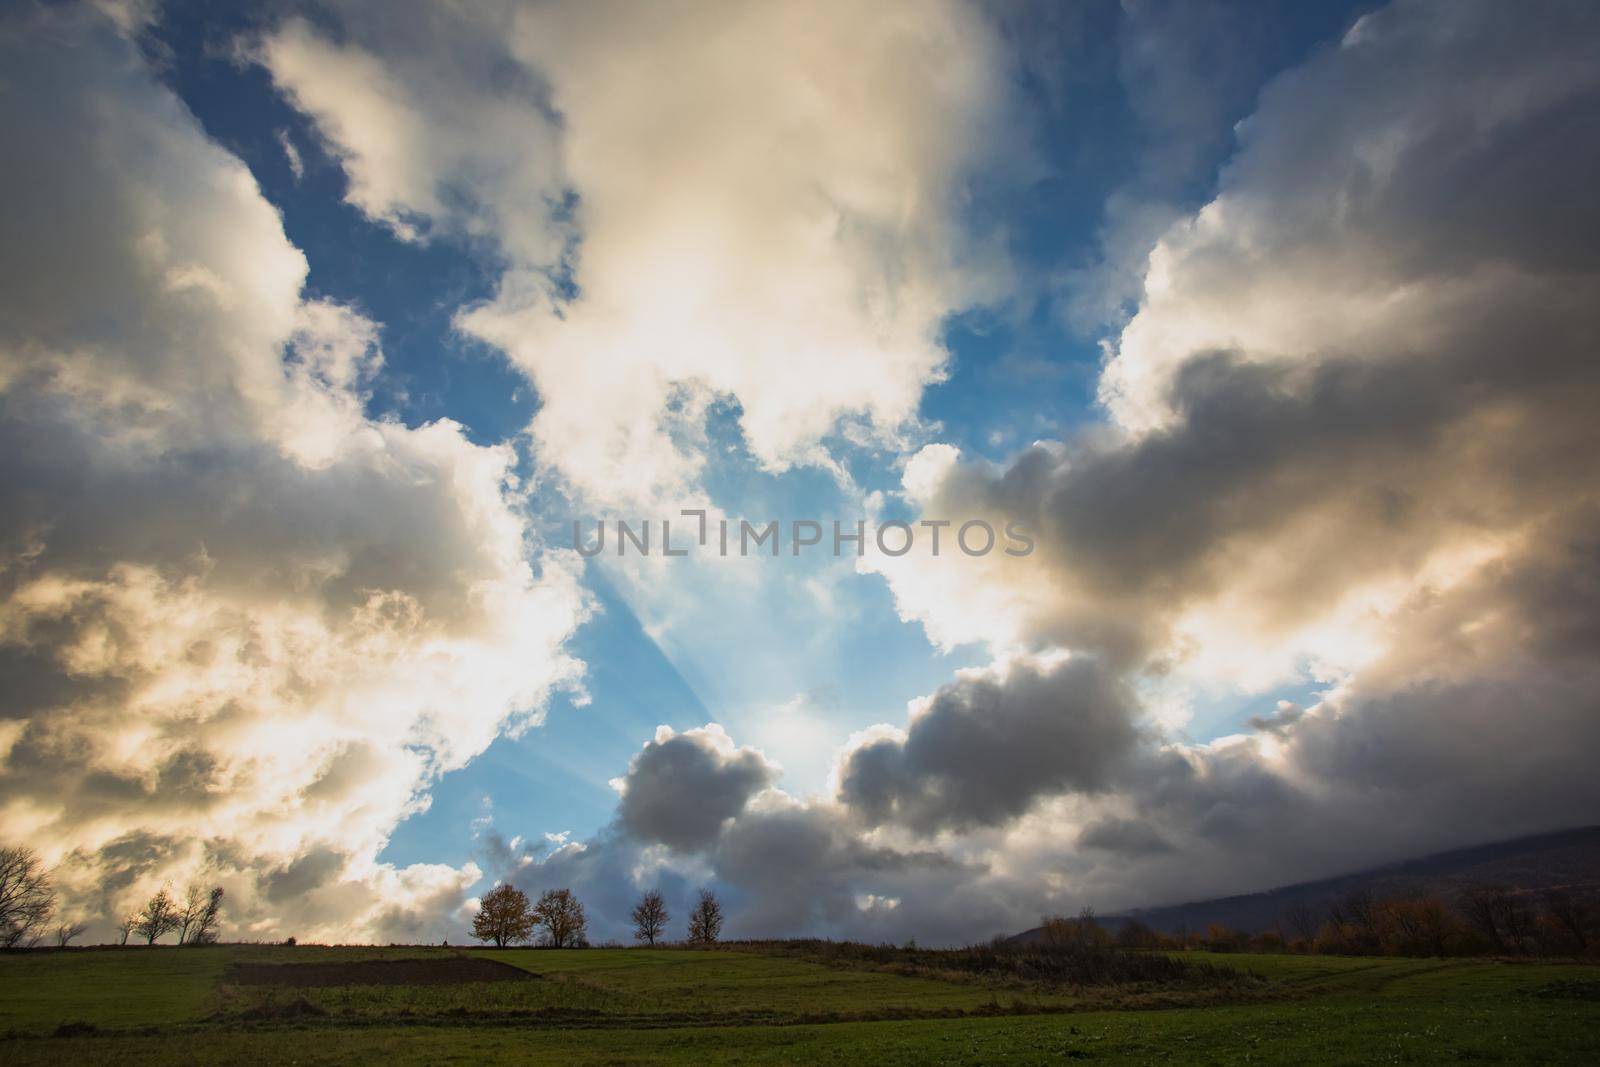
x: 678, y: 981
x: 643, y: 1006
x: 110, y: 987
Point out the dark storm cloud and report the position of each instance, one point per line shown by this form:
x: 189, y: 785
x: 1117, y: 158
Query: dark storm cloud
x: 804, y: 868
x: 308, y: 872
x: 682, y: 787
x: 987, y: 745
x: 1129, y: 836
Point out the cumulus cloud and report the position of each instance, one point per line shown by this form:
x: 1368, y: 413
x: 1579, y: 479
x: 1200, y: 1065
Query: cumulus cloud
x: 761, y: 203
x: 1380, y: 192
x: 682, y: 787
x: 1334, y: 394
x: 246, y: 625
x: 982, y: 749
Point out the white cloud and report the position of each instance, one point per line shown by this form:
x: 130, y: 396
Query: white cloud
x: 291, y: 155
x: 765, y: 196
x: 244, y: 625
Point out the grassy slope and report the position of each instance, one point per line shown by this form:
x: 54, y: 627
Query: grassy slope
x: 1344, y: 1011
x: 109, y: 987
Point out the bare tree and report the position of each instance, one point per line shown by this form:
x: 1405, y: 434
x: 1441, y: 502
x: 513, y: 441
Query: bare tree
x: 203, y: 928
x: 125, y: 927
x: 1302, y: 920
x: 1085, y: 931
x: 503, y: 917
x: 559, y: 912
x: 1571, y: 917
x: 1403, y: 925
x: 27, y: 899
x: 1136, y: 933
x: 194, y: 902
x: 1437, y: 925
x: 66, y: 933
x: 1485, y: 907
x: 650, y: 917
x: 1361, y: 908
x: 705, y: 921
x: 190, y: 911
x: 159, y: 917
x: 1518, y: 919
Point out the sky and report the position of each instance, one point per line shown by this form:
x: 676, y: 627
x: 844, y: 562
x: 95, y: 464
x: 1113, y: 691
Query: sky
x: 1268, y: 329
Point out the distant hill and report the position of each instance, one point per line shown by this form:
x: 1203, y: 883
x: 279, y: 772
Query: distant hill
x: 1567, y: 859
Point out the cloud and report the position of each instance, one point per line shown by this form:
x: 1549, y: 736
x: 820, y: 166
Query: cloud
x: 804, y: 869
x: 762, y: 203
x: 1112, y: 834
x: 249, y: 624
x: 1285, y: 716
x: 1318, y: 410
x: 437, y: 130
x: 682, y: 787
x: 291, y: 155
x: 1380, y: 190
x: 984, y: 747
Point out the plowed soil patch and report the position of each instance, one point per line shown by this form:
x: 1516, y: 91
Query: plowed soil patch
x: 451, y: 970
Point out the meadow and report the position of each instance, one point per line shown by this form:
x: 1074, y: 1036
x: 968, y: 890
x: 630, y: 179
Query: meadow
x: 771, y: 1003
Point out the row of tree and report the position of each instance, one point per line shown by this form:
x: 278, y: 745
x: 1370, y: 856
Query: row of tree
x: 1479, y: 921
x: 194, y: 920
x: 28, y: 908
x: 506, y: 917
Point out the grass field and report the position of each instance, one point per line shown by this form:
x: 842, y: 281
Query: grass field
x: 168, y: 1005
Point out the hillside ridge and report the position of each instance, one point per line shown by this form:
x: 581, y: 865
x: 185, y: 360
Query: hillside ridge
x: 1567, y: 859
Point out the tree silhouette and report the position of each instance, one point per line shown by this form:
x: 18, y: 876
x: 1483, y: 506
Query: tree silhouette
x: 203, y: 927
x: 27, y: 899
x: 559, y: 912
x: 1302, y: 920
x: 67, y: 932
x: 1500, y: 916
x: 705, y: 921
x: 160, y: 916
x: 650, y: 917
x: 503, y: 917
x: 197, y: 905
x: 1571, y: 916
